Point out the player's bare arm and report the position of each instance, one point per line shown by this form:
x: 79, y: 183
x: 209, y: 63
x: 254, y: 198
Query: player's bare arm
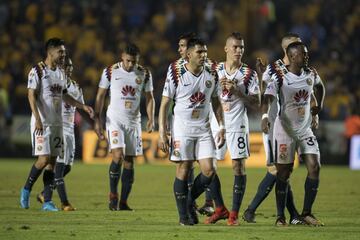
x: 319, y: 92
x: 99, y: 105
x: 260, y: 69
x: 314, y: 118
x: 32, y: 100
x: 219, y: 114
x: 265, y: 125
x: 150, y: 110
x: 70, y: 100
x: 164, y: 140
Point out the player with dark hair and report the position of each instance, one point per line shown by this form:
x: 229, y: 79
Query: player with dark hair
x: 127, y: 80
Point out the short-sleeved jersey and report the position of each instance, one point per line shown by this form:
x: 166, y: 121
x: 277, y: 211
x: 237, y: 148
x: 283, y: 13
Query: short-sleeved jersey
x: 125, y: 92
x: 49, y: 86
x: 294, y: 94
x: 68, y: 111
x: 267, y: 77
x: 192, y: 95
x: 246, y: 81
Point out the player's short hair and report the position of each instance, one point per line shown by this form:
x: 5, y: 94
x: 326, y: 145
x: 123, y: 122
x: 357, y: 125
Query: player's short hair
x: 131, y: 49
x: 293, y: 46
x: 290, y: 35
x: 235, y: 35
x: 187, y: 36
x: 53, y: 42
x: 192, y: 42
x: 68, y: 61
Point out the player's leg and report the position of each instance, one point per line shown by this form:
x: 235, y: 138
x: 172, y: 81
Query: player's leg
x: 48, y: 179
x: 281, y: 188
x: 127, y: 180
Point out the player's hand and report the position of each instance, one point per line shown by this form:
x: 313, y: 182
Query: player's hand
x: 265, y: 125
x: 150, y: 126
x: 227, y: 84
x: 99, y: 130
x: 38, y: 127
x: 89, y: 111
x: 260, y: 66
x: 315, y: 110
x: 315, y: 122
x: 164, y: 143
x: 220, y: 139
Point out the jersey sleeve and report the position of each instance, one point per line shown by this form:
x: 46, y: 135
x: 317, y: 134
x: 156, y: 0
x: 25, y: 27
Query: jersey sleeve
x: 266, y: 77
x: 33, y: 79
x: 81, y: 96
x: 105, y: 79
x: 216, y: 87
x: 317, y: 78
x: 253, y: 87
x: 148, y: 82
x: 170, y: 82
x: 272, y: 88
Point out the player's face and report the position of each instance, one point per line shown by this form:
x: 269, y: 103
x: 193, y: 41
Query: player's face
x: 129, y: 61
x: 301, y: 57
x: 68, y: 68
x: 197, y: 55
x: 182, y: 47
x: 234, y: 49
x: 57, y: 55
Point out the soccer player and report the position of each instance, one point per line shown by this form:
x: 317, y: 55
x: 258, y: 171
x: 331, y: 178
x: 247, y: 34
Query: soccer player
x: 127, y: 81
x: 292, y: 128
x: 64, y: 163
x: 239, y: 86
x: 269, y: 180
x: 192, y: 86
x: 46, y: 91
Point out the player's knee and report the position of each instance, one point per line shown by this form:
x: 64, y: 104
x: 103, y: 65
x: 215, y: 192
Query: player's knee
x: 209, y: 172
x: 239, y: 167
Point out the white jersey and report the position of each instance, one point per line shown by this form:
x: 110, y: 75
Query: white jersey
x: 267, y: 77
x: 294, y: 94
x: 247, y: 83
x: 125, y: 92
x: 50, y: 86
x: 192, y: 95
x: 68, y: 111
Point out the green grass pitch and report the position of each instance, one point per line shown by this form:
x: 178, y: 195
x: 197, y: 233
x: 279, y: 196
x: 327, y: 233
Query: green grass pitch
x: 155, y: 216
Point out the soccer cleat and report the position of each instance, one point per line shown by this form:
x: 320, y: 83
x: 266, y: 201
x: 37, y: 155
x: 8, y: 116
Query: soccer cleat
x: 123, y: 206
x: 310, y: 219
x: 220, y: 213
x: 193, y: 217
x: 24, y: 198
x: 296, y: 221
x: 233, y: 219
x: 185, y: 222
x: 113, y: 201
x: 249, y: 216
x: 281, y: 222
x: 67, y: 207
x: 40, y: 198
x: 207, y: 209
x: 49, y: 207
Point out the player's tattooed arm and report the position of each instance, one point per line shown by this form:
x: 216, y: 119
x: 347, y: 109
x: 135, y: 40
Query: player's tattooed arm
x: 265, y: 125
x: 150, y: 110
x: 32, y: 96
x: 99, y: 104
x: 164, y: 140
x: 219, y: 114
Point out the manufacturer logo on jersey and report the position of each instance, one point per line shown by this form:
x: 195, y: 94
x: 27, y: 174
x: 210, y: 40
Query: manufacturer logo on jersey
x: 138, y: 80
x: 128, y: 90
x: 55, y: 89
x: 301, y: 96
x: 208, y: 84
x: 197, y: 98
x: 309, y: 81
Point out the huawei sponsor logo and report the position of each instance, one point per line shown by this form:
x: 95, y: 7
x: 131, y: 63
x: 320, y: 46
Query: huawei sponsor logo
x: 197, y: 98
x: 301, y: 96
x: 128, y: 90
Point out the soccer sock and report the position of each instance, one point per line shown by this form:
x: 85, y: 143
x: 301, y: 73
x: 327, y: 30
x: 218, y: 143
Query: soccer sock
x: 238, y: 191
x: 200, y: 183
x: 114, y: 176
x: 127, y: 179
x: 264, y: 188
x: 181, y: 193
x: 48, y: 178
x: 60, y: 183
x: 33, y: 176
x: 311, y: 188
x: 281, y: 192
x: 208, y: 196
x: 290, y: 204
x: 215, y: 188
x: 67, y: 169
x: 190, y: 181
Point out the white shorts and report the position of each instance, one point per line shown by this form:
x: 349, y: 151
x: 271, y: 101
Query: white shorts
x: 49, y: 143
x: 238, y: 144
x: 192, y: 148
x: 219, y: 153
x: 120, y: 136
x: 69, y: 150
x: 286, y: 146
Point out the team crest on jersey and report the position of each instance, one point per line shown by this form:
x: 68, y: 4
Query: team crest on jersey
x: 309, y: 81
x: 208, y: 84
x: 283, y: 151
x: 128, y: 90
x: 301, y: 96
x: 39, y: 148
x: 138, y: 81
x: 115, y: 141
x: 176, y: 153
x: 197, y: 98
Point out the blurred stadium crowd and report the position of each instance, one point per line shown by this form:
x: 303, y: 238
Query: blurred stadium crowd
x: 95, y: 31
